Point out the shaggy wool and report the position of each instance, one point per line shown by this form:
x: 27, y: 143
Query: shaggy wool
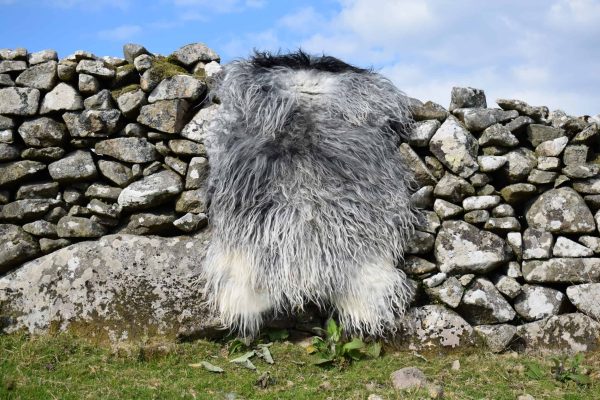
x: 309, y: 198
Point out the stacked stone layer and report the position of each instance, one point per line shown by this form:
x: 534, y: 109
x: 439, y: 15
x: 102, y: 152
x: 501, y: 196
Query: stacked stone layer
x: 97, y: 145
x: 508, y: 248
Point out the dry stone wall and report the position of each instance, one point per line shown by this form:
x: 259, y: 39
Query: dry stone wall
x: 509, y: 246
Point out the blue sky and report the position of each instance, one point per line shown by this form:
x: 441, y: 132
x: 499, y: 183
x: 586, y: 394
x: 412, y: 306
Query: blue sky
x: 546, y: 52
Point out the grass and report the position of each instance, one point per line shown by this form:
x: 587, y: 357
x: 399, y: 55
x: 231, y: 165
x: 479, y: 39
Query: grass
x: 63, y: 367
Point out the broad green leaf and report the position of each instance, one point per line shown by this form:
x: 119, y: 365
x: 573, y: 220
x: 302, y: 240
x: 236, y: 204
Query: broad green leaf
x: 207, y: 366
x: 265, y: 354
x: 580, y: 379
x: 244, y: 357
x: 374, y: 349
x: 356, y: 343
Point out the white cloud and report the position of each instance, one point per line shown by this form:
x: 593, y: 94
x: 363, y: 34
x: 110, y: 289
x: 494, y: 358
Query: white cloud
x: 219, y: 6
x: 120, y: 33
x: 89, y: 5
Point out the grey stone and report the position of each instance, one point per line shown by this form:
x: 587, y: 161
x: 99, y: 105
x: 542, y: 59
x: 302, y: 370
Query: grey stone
x: 143, y: 62
x: 98, y: 207
x: 537, y: 302
x: 455, y: 147
x: 92, y: 123
x: 88, y: 84
x: 540, y: 133
x: 66, y: 70
x: 503, y: 210
x: 178, y: 87
x: 537, y: 244
x: 79, y: 55
x: 6, y: 80
x: 12, y: 66
x: 197, y: 128
x: 130, y: 103
x: 480, y: 202
x: 445, y: 210
x: 588, y: 134
x: 581, y: 171
x: 586, y: 298
x: 100, y: 101
x: 567, y: 333
x: 514, y: 270
x: 422, y: 132
x: 128, y: 149
x: 562, y: 270
x: 561, y: 211
x: 152, y: 168
x: 197, y: 173
x: 519, y: 164
x: 176, y: 165
x: 74, y: 167
x: 153, y: 190
x: 548, y: 163
x: 418, y: 243
x: 165, y: 115
x: 515, y: 241
x: 479, y: 179
x: 453, y: 188
x: 449, y: 292
x: 478, y: 119
x: 16, y: 171
x: 50, y: 245
x: 6, y: 135
x: 6, y: 123
x: 497, y: 337
x: 437, y: 168
x: 462, y: 248
x: 567, y: 248
x: 408, y: 378
x: 134, y: 130
x: 43, y: 132
x: 193, y: 201
x: 78, y: 227
x: 552, y: 148
x: 42, y: 56
x: 413, y: 162
x: 517, y: 193
x: 73, y: 195
x: 435, y: 326
x: 588, y: 186
x: 191, y: 222
x: 187, y: 147
x: 427, y: 111
x: 47, y: 190
x: 508, y: 286
x: 9, y: 152
x: 467, y: 97
x: 491, y: 163
x: 103, y: 192
x: 477, y: 217
x: 575, y: 154
x: 132, y: 50
x: 115, y: 172
x: 591, y: 242
x: 110, y: 283
x: 190, y: 54
x: 62, y: 98
x: 40, y: 228
x: 483, y: 304
x: 150, y: 224
x: 539, y: 177
x: 523, y: 108
x: 430, y: 222
x: 422, y: 198
x: 26, y: 209
x: 96, y: 68
x: 497, y: 135
x: 418, y: 266
x: 42, y: 76
x: 503, y: 225
x: 18, y: 246
x: 19, y: 53
x: 19, y: 101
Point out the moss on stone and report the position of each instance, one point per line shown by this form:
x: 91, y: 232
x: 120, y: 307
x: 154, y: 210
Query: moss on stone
x: 162, y: 68
x: 125, y: 89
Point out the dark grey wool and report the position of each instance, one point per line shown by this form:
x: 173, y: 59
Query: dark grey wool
x: 309, y: 197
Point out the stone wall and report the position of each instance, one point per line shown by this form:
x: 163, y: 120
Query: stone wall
x: 509, y: 248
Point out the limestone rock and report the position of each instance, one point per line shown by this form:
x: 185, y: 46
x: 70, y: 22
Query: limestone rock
x: 562, y: 270
x: 42, y: 56
x: 552, y: 148
x: 483, y: 304
x: 47, y: 190
x: 455, y: 147
x: 42, y: 76
x: 192, y: 53
x: 15, y: 171
x: 445, y: 210
x: 130, y: 103
x: 165, y: 115
x: 541, y: 133
x: 115, y: 172
x: 450, y: 292
x: 26, y: 209
x: 453, y: 188
x: 132, y: 50
x: 523, y: 108
x: 586, y: 298
x: 130, y: 149
x: 518, y: 192
x: 43, y: 132
x: 408, y: 378
x: 76, y: 166
x: 478, y: 119
x: 480, y: 202
x: 537, y: 302
x: 151, y: 191
x: 196, y: 129
x: 187, y: 147
x: 498, y: 135
x: 562, y: 211
x: 491, y: 163
x: 567, y: 333
x: 567, y: 248
x: 96, y: 68
x: 19, y: 101
x: 78, y: 227
x: 17, y: 246
x: 110, y: 289
x: 100, y: 101
x: 497, y: 337
x: 178, y: 87
x: 417, y: 266
x: 519, y: 164
x: 418, y: 243
x: 150, y: 223
x: 461, y: 247
x: 62, y: 98
x: 413, y: 162
x: 467, y: 97
x: 537, y: 244
x: 422, y: 132
x: 191, y: 222
x: 40, y: 228
x: 92, y: 123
